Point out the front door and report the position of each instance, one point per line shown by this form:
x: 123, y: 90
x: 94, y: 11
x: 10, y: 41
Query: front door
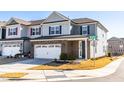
x: 82, y: 49
x: 3, y: 33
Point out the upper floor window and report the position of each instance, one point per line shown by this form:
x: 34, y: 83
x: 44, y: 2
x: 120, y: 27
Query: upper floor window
x: 54, y: 30
x: 36, y: 31
x: 12, y: 31
x: 85, y: 30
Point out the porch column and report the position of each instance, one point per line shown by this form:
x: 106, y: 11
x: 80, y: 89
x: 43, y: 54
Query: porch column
x: 85, y: 48
x: 80, y: 49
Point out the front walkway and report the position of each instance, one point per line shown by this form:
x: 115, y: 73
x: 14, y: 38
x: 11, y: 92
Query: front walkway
x: 59, y: 75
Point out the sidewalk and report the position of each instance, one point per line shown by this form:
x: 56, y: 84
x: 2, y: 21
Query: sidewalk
x: 60, y: 75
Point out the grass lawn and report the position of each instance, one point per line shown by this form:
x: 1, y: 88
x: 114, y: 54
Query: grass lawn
x: 12, y: 75
x: 84, y: 65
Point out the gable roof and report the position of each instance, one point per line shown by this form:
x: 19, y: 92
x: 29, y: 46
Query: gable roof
x: 19, y: 21
x: 57, y: 13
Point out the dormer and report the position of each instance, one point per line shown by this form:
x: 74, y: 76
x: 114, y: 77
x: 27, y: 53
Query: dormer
x: 16, y: 28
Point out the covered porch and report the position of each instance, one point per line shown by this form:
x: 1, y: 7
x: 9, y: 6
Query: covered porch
x: 77, y: 47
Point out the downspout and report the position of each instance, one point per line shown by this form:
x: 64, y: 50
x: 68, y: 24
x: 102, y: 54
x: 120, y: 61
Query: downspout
x: 23, y: 46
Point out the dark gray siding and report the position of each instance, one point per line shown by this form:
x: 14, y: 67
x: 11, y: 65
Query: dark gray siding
x: 76, y: 29
x: 92, y: 29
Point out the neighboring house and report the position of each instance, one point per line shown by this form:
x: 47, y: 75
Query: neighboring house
x: 57, y: 34
x: 16, y: 39
x: 116, y: 46
x: 63, y: 35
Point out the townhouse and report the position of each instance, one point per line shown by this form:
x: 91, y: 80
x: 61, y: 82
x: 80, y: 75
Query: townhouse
x: 57, y: 34
x: 116, y: 46
x: 16, y: 40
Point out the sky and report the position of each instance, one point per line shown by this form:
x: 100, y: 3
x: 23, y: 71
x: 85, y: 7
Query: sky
x: 112, y: 20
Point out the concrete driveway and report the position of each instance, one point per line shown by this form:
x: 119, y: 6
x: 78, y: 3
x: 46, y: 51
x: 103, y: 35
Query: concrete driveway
x: 35, y: 61
x: 22, y: 65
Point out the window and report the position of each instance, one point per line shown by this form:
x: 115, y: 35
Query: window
x: 38, y: 46
x: 57, y: 46
x: 55, y: 30
x: 58, y: 30
x: 12, y: 31
x: 14, y: 45
x: 51, y: 46
x: 85, y: 30
x: 44, y: 46
x: 52, y: 30
x: 36, y: 31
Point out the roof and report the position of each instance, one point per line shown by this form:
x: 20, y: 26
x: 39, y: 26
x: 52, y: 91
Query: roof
x: 2, y: 23
x: 115, y: 38
x: 122, y: 38
x: 22, y: 38
x: 83, y: 20
x: 60, y: 37
x: 88, y: 20
x: 36, y: 22
x: 59, y: 14
x: 20, y: 21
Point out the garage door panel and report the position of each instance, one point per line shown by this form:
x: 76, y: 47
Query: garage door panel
x: 10, y: 50
x: 47, y: 51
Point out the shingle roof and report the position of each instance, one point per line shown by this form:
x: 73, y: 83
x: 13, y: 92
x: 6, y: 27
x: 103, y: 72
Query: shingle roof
x: 83, y: 20
x: 122, y: 38
x: 22, y: 38
x: 20, y: 21
x: 115, y: 38
x: 2, y: 23
x: 36, y: 22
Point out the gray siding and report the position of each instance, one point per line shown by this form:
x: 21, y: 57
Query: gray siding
x: 76, y: 29
x: 27, y: 46
x: 24, y: 31
x: 92, y: 28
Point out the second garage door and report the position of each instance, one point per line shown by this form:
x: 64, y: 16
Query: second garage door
x: 10, y: 50
x: 51, y: 51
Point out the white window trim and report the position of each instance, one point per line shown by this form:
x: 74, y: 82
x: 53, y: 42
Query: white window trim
x: 35, y: 31
x: 12, y: 30
x: 83, y: 31
x: 55, y: 30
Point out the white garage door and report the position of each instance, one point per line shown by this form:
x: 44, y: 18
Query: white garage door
x: 51, y: 51
x: 12, y: 50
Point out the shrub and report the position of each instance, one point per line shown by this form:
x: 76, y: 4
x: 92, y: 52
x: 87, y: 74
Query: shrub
x: 63, y: 56
x: 109, y: 54
x: 71, y: 57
